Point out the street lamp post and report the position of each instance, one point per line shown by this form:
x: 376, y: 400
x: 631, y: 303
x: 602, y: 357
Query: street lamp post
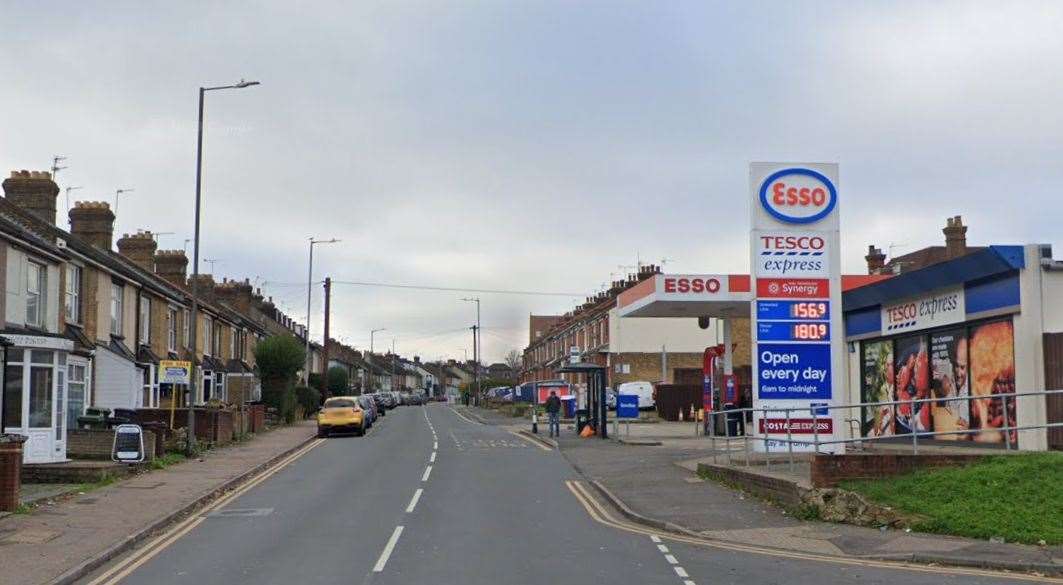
x: 190, y: 440
x: 309, y: 286
x: 476, y: 348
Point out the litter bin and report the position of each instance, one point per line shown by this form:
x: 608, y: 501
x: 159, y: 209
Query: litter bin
x: 582, y: 418
x: 94, y: 418
x: 735, y: 425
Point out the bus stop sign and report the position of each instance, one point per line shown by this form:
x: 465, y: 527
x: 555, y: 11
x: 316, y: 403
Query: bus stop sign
x: 627, y: 406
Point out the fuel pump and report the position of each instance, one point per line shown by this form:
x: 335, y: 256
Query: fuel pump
x: 710, y: 371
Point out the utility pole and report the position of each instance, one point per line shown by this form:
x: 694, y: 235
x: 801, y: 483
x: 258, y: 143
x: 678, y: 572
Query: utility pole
x: 324, y: 347
x: 476, y: 363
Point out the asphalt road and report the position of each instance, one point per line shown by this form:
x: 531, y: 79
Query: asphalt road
x: 492, y: 509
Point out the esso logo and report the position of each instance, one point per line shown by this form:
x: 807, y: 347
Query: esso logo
x: 798, y: 195
x: 691, y: 285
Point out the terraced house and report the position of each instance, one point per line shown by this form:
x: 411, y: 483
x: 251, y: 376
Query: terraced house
x: 90, y: 325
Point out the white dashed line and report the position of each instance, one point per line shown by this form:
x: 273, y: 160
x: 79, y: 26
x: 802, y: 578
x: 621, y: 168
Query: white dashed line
x: 671, y: 560
x: 388, y: 549
x: 427, y: 472
x: 681, y: 571
x: 662, y: 548
x: 413, y: 502
x: 655, y: 538
x: 689, y: 582
x: 435, y: 445
x: 432, y: 459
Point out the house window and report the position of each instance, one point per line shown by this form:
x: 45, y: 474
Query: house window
x: 186, y: 319
x: 150, y: 393
x: 171, y: 329
x: 208, y: 336
x: 216, y: 344
x: 145, y: 320
x: 75, y: 405
x: 117, y: 292
x: 232, y: 342
x: 73, y: 293
x: 36, y: 294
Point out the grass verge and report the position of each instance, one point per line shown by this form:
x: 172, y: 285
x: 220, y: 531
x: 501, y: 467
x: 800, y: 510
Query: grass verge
x: 171, y: 458
x: 1018, y: 498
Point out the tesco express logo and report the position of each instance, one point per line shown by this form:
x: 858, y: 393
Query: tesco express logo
x: 798, y: 195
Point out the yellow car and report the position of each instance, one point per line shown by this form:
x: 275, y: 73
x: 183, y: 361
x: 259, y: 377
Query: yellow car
x: 340, y: 414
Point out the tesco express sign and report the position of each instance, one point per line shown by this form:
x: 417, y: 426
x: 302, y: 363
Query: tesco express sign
x: 798, y: 195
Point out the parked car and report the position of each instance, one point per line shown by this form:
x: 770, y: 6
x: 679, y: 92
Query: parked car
x: 378, y: 400
x: 370, y: 408
x: 644, y: 390
x: 341, y: 414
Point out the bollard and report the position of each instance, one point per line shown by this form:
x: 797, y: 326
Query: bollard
x: 535, y: 421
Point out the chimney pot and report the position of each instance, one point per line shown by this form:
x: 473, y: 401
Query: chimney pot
x: 33, y: 193
x: 955, y: 237
x: 93, y: 221
x: 876, y: 260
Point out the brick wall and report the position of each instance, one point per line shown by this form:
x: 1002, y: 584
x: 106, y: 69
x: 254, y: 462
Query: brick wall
x: 647, y: 366
x: 97, y: 444
x: 10, y: 474
x: 784, y: 492
x: 829, y: 470
x: 212, y: 425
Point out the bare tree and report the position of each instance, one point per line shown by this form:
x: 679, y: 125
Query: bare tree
x: 514, y: 359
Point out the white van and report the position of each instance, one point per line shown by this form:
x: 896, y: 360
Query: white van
x: 644, y: 390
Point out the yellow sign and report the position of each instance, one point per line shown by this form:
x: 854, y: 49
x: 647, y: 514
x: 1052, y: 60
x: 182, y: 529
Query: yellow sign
x: 174, y: 372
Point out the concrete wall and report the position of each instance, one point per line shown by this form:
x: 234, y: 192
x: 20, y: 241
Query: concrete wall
x: 1029, y: 352
x: 1052, y: 301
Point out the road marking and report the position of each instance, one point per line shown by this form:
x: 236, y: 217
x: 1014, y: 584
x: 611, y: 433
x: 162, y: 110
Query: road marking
x: 427, y: 472
x: 413, y: 502
x: 435, y: 445
x: 681, y: 572
x: 432, y: 459
x: 388, y: 548
x: 662, y: 548
x: 689, y: 582
x: 530, y: 440
x: 671, y: 560
x: 598, y: 513
x: 466, y: 419
x: 122, y: 569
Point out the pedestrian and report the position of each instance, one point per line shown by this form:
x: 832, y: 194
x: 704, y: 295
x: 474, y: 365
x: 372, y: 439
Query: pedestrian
x: 553, y: 411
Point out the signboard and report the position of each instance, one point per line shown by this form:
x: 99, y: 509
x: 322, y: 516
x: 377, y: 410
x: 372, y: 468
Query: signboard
x: 40, y: 341
x: 943, y: 307
x: 794, y: 253
x: 730, y: 389
x: 128, y: 446
x: 174, y: 372
x: 627, y: 406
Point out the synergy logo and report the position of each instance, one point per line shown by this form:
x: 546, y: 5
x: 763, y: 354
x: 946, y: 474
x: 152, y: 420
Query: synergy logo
x: 791, y: 254
x: 798, y: 195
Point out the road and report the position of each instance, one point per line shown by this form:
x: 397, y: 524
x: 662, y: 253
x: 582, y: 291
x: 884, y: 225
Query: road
x: 429, y: 496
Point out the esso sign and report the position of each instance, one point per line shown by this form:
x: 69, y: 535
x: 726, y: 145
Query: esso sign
x: 798, y: 195
x: 683, y: 284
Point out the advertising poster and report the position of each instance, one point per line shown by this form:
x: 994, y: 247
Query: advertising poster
x: 912, y: 367
x: 950, y: 379
x: 992, y: 359
x: 878, y: 387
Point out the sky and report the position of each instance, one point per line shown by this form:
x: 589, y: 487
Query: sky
x: 534, y: 146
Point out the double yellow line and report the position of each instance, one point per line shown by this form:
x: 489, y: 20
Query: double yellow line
x: 129, y: 564
x: 602, y: 515
x: 530, y: 440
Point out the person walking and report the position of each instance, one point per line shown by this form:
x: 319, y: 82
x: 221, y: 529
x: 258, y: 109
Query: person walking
x: 553, y: 412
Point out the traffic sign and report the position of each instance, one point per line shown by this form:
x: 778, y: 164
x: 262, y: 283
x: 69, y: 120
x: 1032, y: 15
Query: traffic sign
x: 627, y: 406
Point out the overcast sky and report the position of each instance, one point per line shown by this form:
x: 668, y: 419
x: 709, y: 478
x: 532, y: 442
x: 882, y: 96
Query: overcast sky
x: 531, y: 145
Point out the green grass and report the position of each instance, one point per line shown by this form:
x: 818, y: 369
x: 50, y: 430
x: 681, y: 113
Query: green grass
x: 171, y: 458
x: 1018, y: 497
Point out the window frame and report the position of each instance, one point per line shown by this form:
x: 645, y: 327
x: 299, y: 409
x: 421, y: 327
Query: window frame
x: 171, y: 329
x: 145, y: 319
x: 39, y: 296
x: 208, y: 335
x: 72, y: 296
x: 117, y: 308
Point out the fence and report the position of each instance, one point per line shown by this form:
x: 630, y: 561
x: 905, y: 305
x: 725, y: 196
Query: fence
x: 761, y: 434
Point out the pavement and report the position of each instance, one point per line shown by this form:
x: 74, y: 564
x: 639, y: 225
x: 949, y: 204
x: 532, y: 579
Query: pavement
x: 60, y: 536
x: 441, y: 494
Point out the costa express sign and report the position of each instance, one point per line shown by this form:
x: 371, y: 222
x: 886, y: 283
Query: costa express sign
x: 798, y: 195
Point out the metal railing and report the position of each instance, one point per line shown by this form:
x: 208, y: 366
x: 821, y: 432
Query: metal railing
x: 822, y: 412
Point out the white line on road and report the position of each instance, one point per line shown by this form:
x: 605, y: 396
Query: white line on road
x: 655, y: 538
x: 388, y: 548
x: 681, y: 571
x: 413, y: 502
x: 427, y: 472
x: 432, y: 459
x: 662, y: 548
x: 435, y: 445
x: 689, y: 582
x: 671, y: 560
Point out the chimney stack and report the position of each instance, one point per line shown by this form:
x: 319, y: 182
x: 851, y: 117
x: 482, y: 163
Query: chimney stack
x: 140, y: 248
x: 33, y: 192
x: 955, y: 237
x: 876, y: 260
x: 93, y: 222
x: 171, y: 265
x: 237, y: 295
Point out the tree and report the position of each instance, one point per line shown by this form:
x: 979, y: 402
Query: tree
x: 279, y: 358
x: 338, y: 384
x: 514, y: 359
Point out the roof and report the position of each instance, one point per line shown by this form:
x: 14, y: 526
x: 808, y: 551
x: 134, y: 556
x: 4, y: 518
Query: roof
x: 926, y: 257
x: 982, y: 263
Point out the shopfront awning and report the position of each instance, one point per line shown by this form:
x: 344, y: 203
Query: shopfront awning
x: 703, y: 295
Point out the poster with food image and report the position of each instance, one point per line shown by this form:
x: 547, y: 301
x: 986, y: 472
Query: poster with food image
x: 878, y: 387
x: 992, y: 359
x: 950, y: 379
x: 912, y: 366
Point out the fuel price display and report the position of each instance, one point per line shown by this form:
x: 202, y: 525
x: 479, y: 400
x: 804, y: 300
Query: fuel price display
x: 794, y: 310
x: 792, y: 331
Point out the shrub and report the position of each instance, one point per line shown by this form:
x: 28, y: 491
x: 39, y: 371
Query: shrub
x: 279, y: 358
x: 308, y: 398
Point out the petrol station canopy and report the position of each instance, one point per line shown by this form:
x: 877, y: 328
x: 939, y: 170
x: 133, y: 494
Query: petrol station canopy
x: 703, y: 295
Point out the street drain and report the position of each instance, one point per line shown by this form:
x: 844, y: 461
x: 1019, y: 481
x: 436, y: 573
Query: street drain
x: 241, y: 513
